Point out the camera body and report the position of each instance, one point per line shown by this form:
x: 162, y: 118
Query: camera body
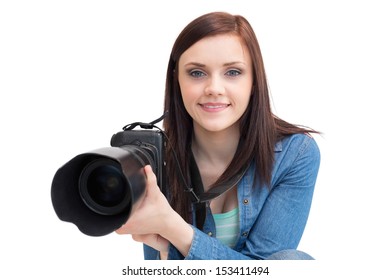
x: 152, y: 142
x: 97, y: 191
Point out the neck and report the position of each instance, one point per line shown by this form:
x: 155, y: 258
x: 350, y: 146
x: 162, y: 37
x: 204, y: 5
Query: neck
x: 215, y: 147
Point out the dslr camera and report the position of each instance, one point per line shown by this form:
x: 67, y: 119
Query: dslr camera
x: 98, y: 190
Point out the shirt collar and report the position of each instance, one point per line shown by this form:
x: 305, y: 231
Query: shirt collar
x: 278, y: 146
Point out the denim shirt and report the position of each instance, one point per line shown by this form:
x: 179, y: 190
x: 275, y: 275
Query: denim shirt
x: 272, y: 218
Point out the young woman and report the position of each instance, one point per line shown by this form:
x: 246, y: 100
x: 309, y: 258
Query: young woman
x: 253, y: 174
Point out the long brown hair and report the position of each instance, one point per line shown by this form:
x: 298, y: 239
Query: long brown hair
x: 260, y: 128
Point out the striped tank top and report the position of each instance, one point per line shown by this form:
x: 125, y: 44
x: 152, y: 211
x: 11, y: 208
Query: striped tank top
x: 227, y: 227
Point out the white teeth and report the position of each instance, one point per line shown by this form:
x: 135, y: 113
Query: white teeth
x: 214, y: 106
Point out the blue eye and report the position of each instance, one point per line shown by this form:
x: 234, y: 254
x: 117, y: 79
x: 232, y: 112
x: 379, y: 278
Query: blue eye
x: 233, y: 72
x: 196, y: 74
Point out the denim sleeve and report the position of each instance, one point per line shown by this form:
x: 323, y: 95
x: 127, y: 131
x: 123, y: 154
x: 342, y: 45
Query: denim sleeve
x: 205, y: 247
x: 282, y: 219
x: 151, y: 253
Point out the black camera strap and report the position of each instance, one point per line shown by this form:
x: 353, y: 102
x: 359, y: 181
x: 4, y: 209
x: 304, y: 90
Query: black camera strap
x: 217, y: 189
x: 214, y: 192
x: 144, y: 125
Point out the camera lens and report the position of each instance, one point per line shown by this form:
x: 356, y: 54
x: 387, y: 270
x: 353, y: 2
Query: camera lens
x: 104, y: 188
x: 106, y: 185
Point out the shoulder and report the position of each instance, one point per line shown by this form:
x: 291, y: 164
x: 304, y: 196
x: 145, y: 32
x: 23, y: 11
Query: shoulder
x: 296, y: 153
x: 297, y: 145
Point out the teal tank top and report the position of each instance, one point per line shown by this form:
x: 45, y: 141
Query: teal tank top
x: 227, y: 227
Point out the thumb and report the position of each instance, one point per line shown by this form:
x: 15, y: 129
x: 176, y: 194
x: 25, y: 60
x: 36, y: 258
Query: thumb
x: 151, y: 179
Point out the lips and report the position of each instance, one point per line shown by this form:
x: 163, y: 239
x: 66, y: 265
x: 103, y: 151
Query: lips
x: 214, y: 107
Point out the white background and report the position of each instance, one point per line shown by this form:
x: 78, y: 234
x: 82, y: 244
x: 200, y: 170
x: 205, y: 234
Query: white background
x: 72, y: 73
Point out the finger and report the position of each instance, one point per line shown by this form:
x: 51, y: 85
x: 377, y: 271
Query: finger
x: 150, y: 176
x: 121, y: 230
x: 138, y: 237
x: 127, y: 228
x: 153, y: 240
x: 146, y: 238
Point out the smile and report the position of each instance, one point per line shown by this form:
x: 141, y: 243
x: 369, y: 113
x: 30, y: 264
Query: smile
x: 214, y: 107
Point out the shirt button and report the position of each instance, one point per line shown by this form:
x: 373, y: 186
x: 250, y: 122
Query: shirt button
x: 244, y: 234
x: 210, y: 233
x: 246, y: 201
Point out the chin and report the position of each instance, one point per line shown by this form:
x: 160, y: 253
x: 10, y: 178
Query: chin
x: 219, y: 128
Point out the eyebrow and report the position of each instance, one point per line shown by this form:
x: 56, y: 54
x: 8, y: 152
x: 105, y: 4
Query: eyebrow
x: 197, y: 64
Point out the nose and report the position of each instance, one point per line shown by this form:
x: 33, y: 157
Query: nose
x: 214, y: 86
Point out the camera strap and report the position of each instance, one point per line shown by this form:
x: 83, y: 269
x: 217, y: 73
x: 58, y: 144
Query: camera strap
x: 144, y: 125
x: 216, y: 190
x: 201, y: 196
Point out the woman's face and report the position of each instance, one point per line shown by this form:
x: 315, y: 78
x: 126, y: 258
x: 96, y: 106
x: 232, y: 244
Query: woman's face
x: 215, y: 77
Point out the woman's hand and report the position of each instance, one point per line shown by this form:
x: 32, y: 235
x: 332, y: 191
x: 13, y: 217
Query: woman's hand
x: 155, y: 223
x: 149, y: 215
x: 153, y: 240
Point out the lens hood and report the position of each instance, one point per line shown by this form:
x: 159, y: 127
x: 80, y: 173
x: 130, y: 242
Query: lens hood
x: 71, y: 206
